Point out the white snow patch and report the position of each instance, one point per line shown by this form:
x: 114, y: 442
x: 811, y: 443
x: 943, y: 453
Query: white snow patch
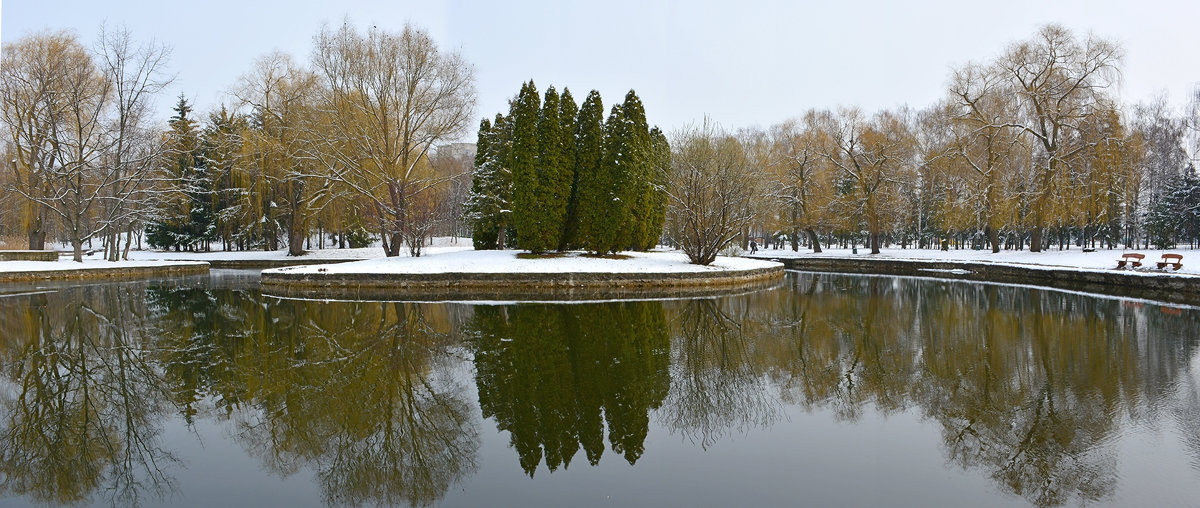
x: 1103, y: 259
x: 506, y: 261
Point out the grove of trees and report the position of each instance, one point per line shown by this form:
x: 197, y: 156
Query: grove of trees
x: 553, y: 176
x: 1030, y: 149
x: 339, y: 150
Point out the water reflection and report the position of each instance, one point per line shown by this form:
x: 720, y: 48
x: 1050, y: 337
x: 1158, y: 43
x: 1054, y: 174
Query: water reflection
x: 1029, y: 387
x: 1035, y: 390
x: 83, y: 404
x: 362, y: 393
x: 547, y: 374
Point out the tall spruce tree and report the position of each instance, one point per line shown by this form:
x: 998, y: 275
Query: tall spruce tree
x: 614, y: 176
x: 186, y: 218
x: 522, y: 161
x: 591, y: 188
x: 568, y: 113
x: 552, y: 185
x: 488, y: 206
x: 481, y: 205
x: 636, y: 183
x: 660, y: 167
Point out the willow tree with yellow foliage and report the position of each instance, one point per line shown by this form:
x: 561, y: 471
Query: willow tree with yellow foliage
x: 286, y: 188
x: 389, y: 99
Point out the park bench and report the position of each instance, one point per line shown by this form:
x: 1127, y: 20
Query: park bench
x: 1132, y: 258
x: 1175, y: 260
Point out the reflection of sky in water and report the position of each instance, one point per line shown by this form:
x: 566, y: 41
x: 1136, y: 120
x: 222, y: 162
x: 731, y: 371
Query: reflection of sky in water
x: 834, y: 390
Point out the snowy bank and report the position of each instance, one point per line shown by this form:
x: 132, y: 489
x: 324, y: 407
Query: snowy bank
x: 274, y: 258
x: 474, y: 274
x: 1077, y: 272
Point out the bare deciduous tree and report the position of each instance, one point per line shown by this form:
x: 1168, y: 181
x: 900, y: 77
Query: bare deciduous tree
x: 1058, y: 80
x: 392, y: 97
x: 712, y: 191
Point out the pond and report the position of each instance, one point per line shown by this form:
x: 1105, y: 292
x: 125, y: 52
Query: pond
x: 826, y: 390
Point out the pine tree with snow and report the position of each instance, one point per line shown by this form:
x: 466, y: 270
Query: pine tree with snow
x: 186, y: 217
x: 522, y: 161
x: 480, y: 206
x: 591, y: 189
x: 488, y: 207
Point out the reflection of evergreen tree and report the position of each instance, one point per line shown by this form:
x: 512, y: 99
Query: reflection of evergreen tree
x: 553, y: 378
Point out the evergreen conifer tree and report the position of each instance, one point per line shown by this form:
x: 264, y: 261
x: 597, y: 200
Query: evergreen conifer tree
x: 491, y: 187
x: 613, y: 179
x: 522, y: 161
x: 552, y: 186
x: 186, y: 218
x: 591, y: 190
x: 634, y: 176
x: 660, y: 167
x: 480, y: 206
x: 568, y: 117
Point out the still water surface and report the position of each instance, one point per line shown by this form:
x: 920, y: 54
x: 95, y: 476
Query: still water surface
x: 828, y: 390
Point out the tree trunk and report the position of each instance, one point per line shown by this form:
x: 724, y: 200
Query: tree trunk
x: 396, y: 241
x: 1035, y: 239
x: 816, y: 242
x: 128, y: 243
x: 78, y: 250
x: 993, y: 237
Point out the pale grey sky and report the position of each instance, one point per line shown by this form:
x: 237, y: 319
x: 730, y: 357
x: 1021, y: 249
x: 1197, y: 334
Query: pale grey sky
x: 743, y: 63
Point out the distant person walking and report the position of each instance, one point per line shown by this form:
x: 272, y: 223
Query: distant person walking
x: 753, y: 247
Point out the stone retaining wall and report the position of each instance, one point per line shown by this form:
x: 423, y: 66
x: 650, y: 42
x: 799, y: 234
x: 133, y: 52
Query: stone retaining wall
x: 272, y: 263
x: 518, y: 286
x: 1165, y: 286
x: 115, y: 273
x: 28, y: 255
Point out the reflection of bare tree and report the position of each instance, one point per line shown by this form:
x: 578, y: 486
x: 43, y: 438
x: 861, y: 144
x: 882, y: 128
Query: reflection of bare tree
x: 361, y: 392
x: 82, y: 405
x: 716, y: 385
x: 1026, y: 385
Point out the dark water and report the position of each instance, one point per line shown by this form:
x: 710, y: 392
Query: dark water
x: 830, y: 390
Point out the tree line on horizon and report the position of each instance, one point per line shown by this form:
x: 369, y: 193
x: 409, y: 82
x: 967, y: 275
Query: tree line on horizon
x: 1030, y: 149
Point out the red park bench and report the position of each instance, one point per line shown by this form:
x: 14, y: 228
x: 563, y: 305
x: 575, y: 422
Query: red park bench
x: 1132, y: 258
x: 1175, y: 260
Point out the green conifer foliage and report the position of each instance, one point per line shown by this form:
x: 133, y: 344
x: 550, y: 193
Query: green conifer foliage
x: 660, y: 167
x: 522, y: 161
x: 480, y: 206
x: 568, y: 113
x: 186, y: 219
x: 635, y: 186
x: 612, y: 233
x: 491, y: 188
x: 591, y: 190
x: 552, y: 188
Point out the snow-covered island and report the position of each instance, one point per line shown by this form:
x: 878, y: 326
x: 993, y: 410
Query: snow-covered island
x: 509, y: 273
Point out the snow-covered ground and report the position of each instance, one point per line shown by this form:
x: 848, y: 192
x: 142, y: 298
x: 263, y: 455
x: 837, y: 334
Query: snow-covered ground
x: 507, y: 261
x: 145, y: 258
x: 440, y: 245
x: 1073, y: 258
